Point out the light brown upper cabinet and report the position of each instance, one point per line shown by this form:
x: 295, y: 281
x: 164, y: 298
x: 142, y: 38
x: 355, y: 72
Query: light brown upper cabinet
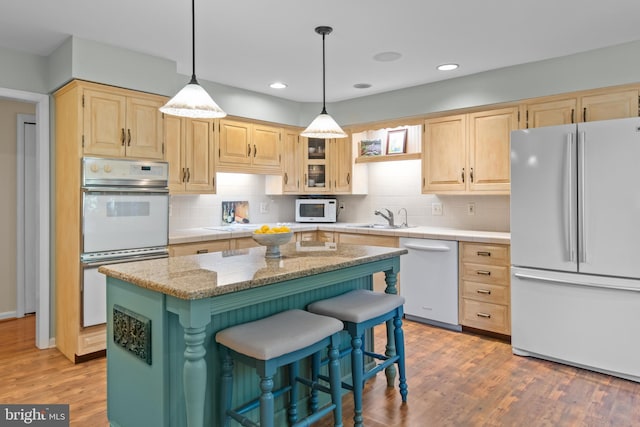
x: 327, y: 166
x: 587, y: 107
x: 468, y: 153
x: 249, y: 148
x: 191, y: 154
x: 292, y: 162
x: 121, y: 123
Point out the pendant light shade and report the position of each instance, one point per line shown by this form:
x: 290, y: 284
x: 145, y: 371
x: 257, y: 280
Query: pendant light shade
x: 324, y: 126
x: 193, y: 101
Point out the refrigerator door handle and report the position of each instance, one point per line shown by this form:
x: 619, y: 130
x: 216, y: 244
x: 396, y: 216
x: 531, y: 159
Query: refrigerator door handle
x: 582, y: 202
x: 578, y: 283
x: 569, y: 200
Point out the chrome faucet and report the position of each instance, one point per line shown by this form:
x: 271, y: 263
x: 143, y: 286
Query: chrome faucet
x: 388, y: 217
x: 405, y: 223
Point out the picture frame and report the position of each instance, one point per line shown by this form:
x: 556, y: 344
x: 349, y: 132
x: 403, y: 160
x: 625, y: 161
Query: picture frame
x: 372, y: 147
x: 397, y: 141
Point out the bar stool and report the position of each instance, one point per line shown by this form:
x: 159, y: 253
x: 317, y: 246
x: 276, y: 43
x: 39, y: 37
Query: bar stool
x: 359, y: 311
x: 270, y: 343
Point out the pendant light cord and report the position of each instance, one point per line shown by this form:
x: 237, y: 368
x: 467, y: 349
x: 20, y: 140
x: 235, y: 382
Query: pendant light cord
x: 193, y: 43
x: 324, y: 109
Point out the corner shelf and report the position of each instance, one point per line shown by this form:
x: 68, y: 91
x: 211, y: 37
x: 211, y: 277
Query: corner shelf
x: 388, y: 158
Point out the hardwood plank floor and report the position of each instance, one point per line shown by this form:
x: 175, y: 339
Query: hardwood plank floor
x: 455, y: 379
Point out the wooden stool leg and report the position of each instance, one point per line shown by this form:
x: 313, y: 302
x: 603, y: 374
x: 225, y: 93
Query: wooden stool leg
x: 357, y: 370
x: 294, y: 369
x: 399, y: 336
x: 266, y: 401
x: 227, y: 388
x: 335, y: 380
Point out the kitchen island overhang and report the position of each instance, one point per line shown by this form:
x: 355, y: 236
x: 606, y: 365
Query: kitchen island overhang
x: 162, y: 362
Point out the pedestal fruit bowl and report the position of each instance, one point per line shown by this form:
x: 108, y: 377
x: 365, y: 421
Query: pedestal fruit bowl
x: 272, y: 238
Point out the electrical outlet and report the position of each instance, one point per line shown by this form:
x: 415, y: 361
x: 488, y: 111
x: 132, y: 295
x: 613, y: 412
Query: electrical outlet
x: 436, y: 208
x: 264, y: 207
x: 471, y: 208
x: 341, y: 205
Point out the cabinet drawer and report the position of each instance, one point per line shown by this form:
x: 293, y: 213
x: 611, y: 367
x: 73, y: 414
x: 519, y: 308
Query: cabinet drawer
x: 306, y: 236
x: 486, y: 316
x: 198, y: 248
x: 325, y: 236
x: 485, y: 292
x: 485, y: 254
x: 485, y: 273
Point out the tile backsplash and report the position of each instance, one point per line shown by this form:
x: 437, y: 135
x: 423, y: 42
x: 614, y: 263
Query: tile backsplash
x: 392, y: 185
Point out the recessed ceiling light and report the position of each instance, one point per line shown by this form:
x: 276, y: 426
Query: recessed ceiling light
x: 278, y: 85
x: 362, y: 85
x: 387, y: 56
x: 447, y: 67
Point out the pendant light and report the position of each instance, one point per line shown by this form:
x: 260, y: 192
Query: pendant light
x: 193, y: 101
x: 323, y: 126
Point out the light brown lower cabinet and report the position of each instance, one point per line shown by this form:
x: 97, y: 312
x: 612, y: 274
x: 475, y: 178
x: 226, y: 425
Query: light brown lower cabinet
x: 484, y: 297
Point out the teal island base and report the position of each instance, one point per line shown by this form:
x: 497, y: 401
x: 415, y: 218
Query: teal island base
x: 163, y: 365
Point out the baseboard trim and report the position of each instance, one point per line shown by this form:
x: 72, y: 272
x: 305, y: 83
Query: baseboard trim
x: 8, y: 315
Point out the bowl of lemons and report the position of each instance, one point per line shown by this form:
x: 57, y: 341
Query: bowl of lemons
x: 272, y: 238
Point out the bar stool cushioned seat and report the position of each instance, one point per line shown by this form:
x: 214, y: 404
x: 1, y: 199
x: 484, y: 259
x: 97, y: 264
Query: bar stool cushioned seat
x: 275, y: 341
x: 361, y: 310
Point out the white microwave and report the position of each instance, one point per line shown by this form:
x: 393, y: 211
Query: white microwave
x: 316, y: 210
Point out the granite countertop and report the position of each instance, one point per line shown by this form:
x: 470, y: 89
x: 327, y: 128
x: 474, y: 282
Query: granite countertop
x: 192, y: 235
x: 219, y: 273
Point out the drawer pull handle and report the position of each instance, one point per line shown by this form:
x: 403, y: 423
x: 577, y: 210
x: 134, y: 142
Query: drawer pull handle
x: 484, y: 315
x: 483, y: 253
x: 202, y: 251
x: 483, y: 273
x: 484, y: 291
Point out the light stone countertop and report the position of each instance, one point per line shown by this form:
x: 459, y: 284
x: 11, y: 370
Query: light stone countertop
x: 208, y: 275
x: 192, y: 235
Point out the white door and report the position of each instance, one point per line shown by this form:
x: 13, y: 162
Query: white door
x: 609, y: 197
x: 26, y: 215
x: 543, y: 198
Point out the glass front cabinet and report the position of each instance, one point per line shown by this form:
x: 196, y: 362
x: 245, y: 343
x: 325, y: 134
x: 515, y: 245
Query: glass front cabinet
x: 316, y: 167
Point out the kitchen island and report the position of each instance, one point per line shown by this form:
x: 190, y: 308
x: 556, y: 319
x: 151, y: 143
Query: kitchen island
x: 163, y: 366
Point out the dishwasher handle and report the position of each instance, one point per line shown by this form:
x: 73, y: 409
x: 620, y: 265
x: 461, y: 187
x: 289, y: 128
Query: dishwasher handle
x: 427, y: 248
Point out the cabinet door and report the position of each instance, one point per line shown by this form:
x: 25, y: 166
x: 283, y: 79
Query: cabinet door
x: 266, y: 146
x: 291, y: 162
x: 552, y: 113
x: 444, y: 154
x: 199, y: 156
x: 174, y: 146
x: 489, y: 152
x: 317, y: 166
x: 235, y: 143
x: 618, y: 105
x: 104, y: 129
x: 144, y: 128
x: 340, y: 153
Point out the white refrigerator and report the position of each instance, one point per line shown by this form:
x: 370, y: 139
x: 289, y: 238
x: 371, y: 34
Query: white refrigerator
x: 575, y: 245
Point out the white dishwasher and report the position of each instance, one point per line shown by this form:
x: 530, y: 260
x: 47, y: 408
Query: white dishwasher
x: 430, y: 281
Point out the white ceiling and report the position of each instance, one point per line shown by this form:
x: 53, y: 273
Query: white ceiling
x: 251, y: 43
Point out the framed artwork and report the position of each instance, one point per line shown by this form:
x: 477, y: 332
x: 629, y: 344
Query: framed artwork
x: 371, y: 147
x: 397, y: 141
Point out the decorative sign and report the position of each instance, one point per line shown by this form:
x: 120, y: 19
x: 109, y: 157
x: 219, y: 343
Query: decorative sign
x: 235, y: 212
x: 132, y: 332
x: 371, y: 147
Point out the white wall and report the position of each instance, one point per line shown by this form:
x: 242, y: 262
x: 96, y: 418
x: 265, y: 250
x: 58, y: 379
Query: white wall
x: 395, y: 185
x: 392, y: 185
x: 193, y: 211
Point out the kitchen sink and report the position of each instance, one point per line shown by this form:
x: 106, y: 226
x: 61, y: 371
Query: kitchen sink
x: 380, y: 226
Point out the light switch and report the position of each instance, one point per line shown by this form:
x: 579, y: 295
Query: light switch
x: 436, y: 208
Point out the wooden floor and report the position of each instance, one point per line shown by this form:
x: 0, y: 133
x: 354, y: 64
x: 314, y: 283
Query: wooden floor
x: 455, y: 379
